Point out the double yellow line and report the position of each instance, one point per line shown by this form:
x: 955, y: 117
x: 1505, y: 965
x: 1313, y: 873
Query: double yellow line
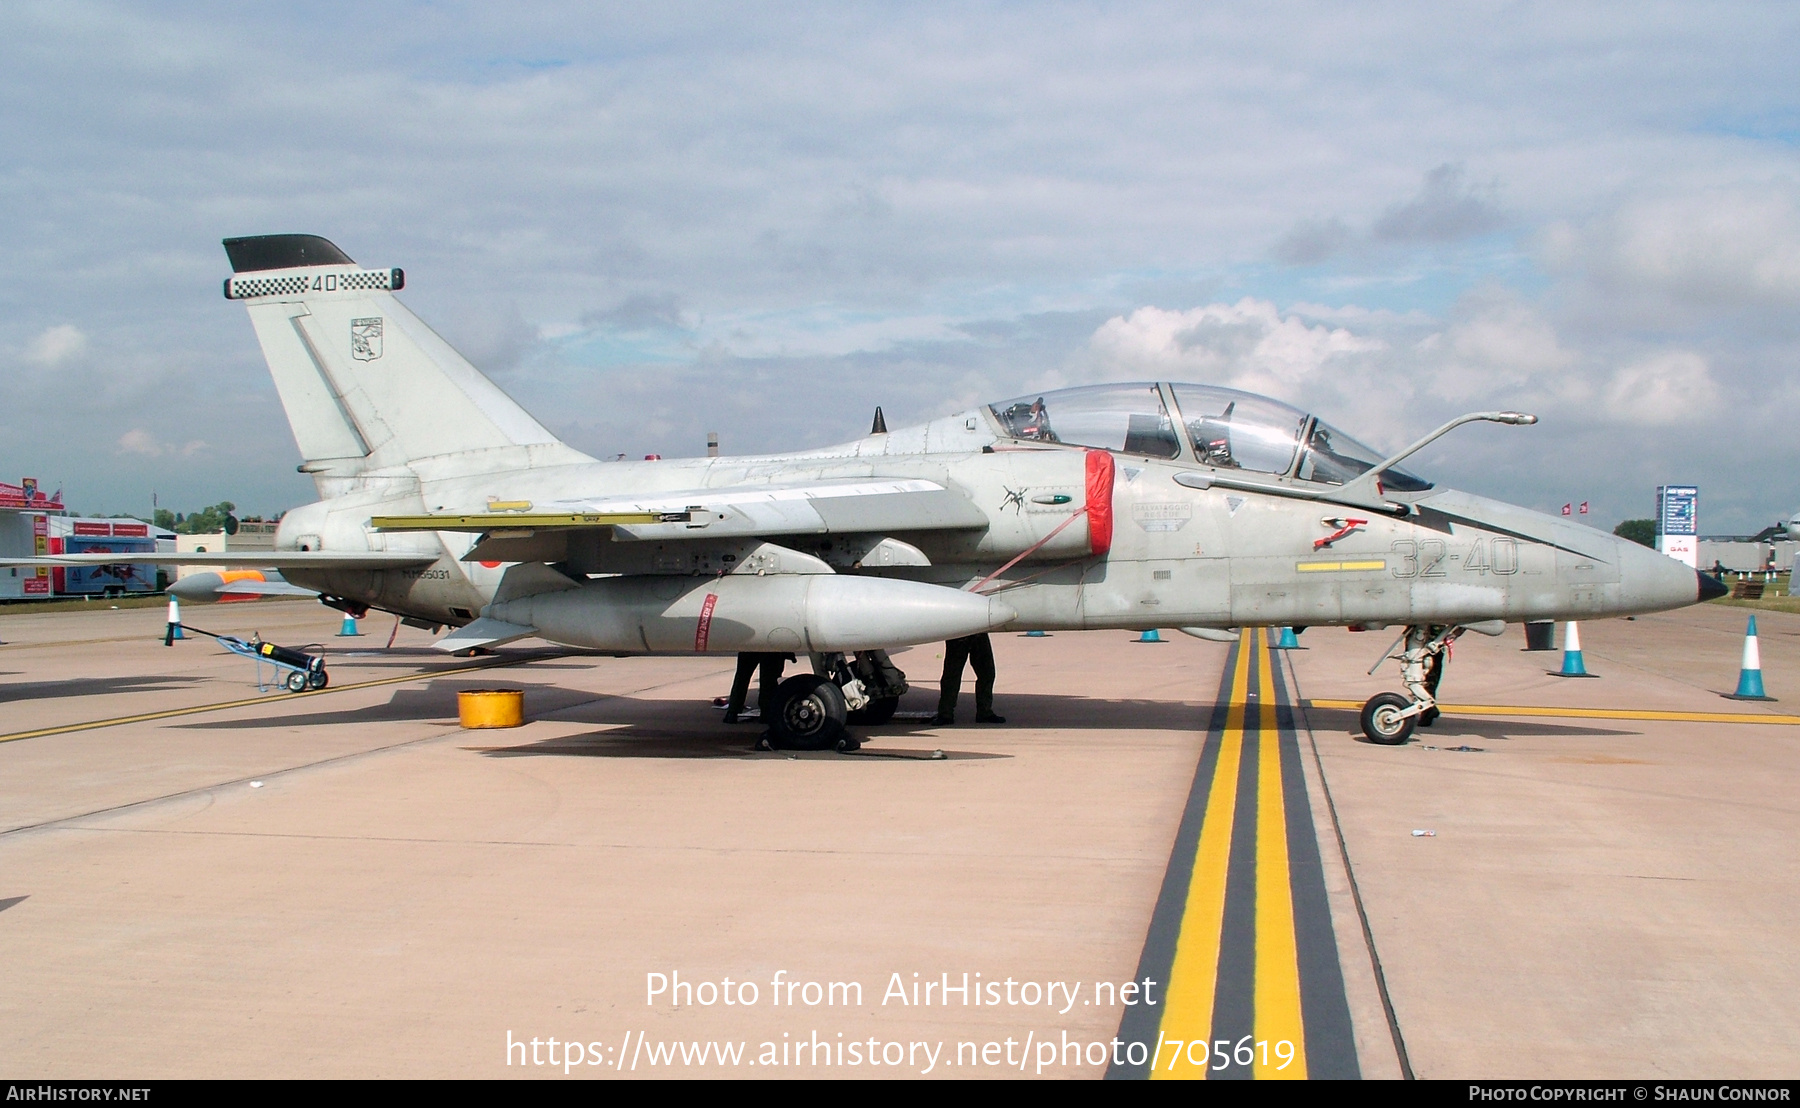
x: 1193, y: 979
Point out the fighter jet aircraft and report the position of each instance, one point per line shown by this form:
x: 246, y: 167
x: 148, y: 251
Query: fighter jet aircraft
x: 1125, y: 506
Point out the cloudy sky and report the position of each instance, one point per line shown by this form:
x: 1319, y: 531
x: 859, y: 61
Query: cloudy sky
x: 655, y: 220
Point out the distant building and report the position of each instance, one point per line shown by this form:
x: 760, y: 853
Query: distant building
x: 121, y: 536
x: 25, y: 514
x: 1743, y: 554
x: 251, y: 535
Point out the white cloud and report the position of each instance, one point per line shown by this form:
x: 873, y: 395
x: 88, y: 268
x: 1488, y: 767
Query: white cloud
x: 1674, y: 387
x: 1497, y: 346
x: 1248, y: 345
x: 1735, y: 248
x: 142, y: 443
x: 56, y: 345
x: 1444, y: 210
x: 827, y: 196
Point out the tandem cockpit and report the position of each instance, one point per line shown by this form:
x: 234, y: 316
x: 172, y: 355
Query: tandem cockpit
x: 1216, y: 427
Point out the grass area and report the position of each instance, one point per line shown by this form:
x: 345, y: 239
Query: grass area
x: 74, y: 604
x: 1766, y: 604
x: 1775, y: 597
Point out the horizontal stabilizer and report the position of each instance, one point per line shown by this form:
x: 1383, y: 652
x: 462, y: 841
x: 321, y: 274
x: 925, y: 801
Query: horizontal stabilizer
x: 483, y: 632
x: 211, y: 588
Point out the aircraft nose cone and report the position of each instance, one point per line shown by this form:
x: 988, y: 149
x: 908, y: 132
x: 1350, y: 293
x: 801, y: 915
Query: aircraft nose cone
x: 1711, y: 588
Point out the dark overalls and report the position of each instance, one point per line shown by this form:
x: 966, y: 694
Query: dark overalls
x: 771, y: 666
x: 975, y: 649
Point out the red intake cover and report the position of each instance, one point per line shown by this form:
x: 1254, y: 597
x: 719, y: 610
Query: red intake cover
x: 1099, y: 501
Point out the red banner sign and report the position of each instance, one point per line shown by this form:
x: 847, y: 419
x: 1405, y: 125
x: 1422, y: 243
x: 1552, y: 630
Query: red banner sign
x: 26, y: 494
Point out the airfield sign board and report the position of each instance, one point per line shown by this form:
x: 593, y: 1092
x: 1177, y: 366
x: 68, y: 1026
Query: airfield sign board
x: 1678, y: 522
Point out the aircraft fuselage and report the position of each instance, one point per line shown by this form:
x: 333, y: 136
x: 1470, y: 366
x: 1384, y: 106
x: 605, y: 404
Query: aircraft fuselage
x: 1176, y: 555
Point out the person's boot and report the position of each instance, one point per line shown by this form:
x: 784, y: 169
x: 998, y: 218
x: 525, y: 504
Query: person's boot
x: 984, y: 710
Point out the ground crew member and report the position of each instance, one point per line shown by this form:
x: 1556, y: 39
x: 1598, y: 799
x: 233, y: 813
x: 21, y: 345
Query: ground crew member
x: 771, y: 666
x: 976, y: 649
x: 1434, y: 672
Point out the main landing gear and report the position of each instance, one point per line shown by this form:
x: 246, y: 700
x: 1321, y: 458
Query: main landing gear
x: 1389, y: 718
x: 813, y: 711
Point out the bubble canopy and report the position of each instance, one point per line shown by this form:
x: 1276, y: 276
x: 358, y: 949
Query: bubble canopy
x: 1224, y: 429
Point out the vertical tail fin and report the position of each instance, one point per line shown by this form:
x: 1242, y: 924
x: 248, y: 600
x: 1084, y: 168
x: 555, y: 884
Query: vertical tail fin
x: 366, y: 385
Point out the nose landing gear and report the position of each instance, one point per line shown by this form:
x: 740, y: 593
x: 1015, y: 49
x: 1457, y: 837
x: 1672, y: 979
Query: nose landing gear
x: 1389, y: 718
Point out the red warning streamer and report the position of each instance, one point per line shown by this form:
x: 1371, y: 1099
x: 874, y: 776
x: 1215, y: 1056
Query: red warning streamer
x: 703, y: 630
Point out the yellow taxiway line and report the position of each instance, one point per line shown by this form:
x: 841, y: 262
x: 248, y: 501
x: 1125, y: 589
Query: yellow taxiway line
x: 1193, y: 978
x: 1242, y: 931
x: 1586, y: 713
x: 283, y: 698
x: 1277, y: 997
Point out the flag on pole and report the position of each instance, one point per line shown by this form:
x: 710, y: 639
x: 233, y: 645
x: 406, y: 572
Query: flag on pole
x: 1566, y: 508
x: 1584, y: 507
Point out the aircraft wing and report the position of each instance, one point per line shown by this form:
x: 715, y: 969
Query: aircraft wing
x: 237, y: 559
x: 854, y: 506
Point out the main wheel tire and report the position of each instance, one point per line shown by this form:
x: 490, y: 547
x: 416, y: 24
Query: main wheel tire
x: 810, y: 713
x: 296, y: 681
x: 1382, y: 722
x: 318, y: 678
x: 878, y: 710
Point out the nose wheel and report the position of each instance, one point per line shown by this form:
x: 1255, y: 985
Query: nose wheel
x: 1389, y: 718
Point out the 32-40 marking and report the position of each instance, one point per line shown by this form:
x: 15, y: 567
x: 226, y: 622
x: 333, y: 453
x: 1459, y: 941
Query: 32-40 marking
x: 1426, y: 557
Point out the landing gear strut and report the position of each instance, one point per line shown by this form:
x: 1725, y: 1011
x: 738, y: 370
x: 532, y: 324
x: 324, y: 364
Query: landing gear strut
x: 1389, y: 718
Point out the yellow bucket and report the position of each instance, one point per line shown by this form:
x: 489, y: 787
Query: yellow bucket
x: 477, y: 708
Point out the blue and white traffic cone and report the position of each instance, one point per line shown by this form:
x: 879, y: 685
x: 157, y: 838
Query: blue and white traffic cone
x: 173, y: 631
x: 348, y: 630
x: 1288, y: 640
x: 1750, y: 686
x: 1572, y: 666
x: 1149, y: 636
